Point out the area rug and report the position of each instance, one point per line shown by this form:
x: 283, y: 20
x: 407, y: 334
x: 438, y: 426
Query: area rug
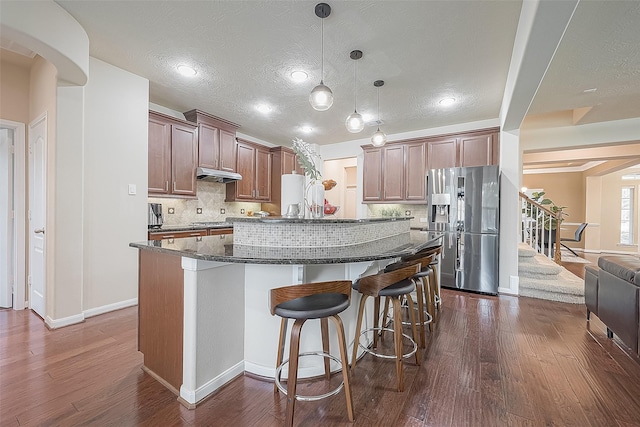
x: 569, y: 257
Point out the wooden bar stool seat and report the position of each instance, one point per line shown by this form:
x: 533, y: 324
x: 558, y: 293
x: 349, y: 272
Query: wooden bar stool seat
x: 392, y: 285
x: 322, y: 301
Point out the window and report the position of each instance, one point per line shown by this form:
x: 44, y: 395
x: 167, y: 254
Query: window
x: 626, y: 216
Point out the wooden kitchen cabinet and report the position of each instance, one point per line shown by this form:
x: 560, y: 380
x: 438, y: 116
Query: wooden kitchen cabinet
x: 443, y: 153
x: 372, y: 175
x: 395, y: 173
x: 393, y: 178
x: 479, y: 148
x: 253, y: 162
x: 172, y: 152
x: 415, y: 189
x: 216, y: 141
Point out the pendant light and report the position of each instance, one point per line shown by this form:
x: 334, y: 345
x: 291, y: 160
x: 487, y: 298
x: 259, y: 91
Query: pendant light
x: 378, y: 139
x: 321, y: 97
x: 355, y: 122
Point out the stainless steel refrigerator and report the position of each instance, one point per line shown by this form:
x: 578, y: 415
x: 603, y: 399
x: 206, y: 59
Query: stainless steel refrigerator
x: 464, y: 204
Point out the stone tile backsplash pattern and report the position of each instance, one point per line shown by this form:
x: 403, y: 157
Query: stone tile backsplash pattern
x: 210, y: 198
x: 304, y: 235
x: 382, y: 210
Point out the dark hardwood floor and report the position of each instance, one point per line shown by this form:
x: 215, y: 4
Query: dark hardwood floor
x: 492, y: 361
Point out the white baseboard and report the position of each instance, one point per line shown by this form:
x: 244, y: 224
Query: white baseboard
x: 65, y: 321
x: 110, y: 307
x: 195, y: 396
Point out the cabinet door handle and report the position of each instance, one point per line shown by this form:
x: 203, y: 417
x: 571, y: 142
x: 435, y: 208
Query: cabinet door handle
x: 168, y: 237
x: 194, y: 234
x: 174, y: 186
x: 166, y: 186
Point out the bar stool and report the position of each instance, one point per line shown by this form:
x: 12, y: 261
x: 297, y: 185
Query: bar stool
x: 392, y: 285
x: 425, y: 292
x: 303, y: 302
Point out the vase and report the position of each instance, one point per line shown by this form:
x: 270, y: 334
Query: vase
x: 316, y: 200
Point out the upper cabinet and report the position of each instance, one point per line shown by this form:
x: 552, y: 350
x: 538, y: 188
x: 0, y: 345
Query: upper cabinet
x: 372, y: 174
x: 173, y: 146
x: 216, y: 141
x: 479, y: 148
x: 253, y: 162
x: 396, y: 173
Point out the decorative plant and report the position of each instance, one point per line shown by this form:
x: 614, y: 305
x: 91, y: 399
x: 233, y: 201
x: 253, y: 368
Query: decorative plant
x: 549, y: 221
x: 307, y: 158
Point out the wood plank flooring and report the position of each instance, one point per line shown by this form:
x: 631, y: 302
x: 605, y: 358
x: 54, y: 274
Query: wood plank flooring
x: 491, y: 361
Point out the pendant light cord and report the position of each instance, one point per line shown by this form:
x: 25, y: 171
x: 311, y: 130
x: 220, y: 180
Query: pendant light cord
x: 378, y: 108
x: 355, y: 86
x: 322, y: 37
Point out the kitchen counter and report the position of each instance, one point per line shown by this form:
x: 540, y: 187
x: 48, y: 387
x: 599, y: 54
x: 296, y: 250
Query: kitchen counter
x: 212, y: 248
x: 191, y: 227
x: 203, y: 301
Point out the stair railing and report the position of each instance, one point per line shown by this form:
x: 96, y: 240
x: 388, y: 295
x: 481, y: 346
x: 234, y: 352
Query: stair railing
x: 540, y: 225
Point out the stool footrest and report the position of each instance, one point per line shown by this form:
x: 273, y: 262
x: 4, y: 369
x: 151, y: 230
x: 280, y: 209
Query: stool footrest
x: 302, y: 398
x: 386, y: 356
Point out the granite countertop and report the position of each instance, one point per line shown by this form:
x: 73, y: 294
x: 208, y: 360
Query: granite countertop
x: 325, y: 220
x: 191, y: 227
x: 213, y: 248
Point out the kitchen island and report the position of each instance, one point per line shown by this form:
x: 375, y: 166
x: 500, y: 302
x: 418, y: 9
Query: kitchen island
x: 204, y: 301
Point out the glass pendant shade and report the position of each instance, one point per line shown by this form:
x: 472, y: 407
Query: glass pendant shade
x: 354, y: 122
x: 379, y: 138
x: 321, y: 97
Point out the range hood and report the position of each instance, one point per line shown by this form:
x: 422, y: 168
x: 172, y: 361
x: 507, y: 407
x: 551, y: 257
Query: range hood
x: 214, y: 175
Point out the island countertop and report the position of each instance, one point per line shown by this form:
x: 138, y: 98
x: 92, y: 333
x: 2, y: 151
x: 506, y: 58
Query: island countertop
x: 214, y: 248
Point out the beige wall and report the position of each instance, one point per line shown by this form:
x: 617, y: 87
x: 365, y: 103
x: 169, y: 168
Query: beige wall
x: 564, y: 189
x: 14, y: 90
x: 609, y: 207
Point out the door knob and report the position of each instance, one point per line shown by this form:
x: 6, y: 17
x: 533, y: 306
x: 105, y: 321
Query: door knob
x: 39, y: 231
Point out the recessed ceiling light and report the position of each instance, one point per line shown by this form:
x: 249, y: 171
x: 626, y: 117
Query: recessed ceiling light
x: 186, y: 70
x: 306, y: 129
x: 447, y: 101
x: 263, y: 108
x: 593, y: 89
x: 299, y: 76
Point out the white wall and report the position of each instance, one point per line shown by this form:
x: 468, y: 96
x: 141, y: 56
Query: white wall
x: 115, y: 155
x: 66, y: 289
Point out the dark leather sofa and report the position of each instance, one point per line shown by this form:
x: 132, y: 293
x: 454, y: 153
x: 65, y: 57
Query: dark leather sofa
x: 612, y: 292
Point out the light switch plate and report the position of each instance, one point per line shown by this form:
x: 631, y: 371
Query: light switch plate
x: 423, y: 219
x: 132, y: 189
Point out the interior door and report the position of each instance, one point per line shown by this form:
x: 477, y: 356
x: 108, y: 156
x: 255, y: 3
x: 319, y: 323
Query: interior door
x: 37, y: 209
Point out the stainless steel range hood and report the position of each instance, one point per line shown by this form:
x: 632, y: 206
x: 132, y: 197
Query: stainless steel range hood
x: 214, y: 175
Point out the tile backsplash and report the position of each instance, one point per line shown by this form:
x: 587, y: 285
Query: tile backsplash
x: 387, y: 209
x: 210, y: 199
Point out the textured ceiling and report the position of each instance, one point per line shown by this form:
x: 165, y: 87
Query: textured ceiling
x: 244, y: 52
x: 600, y: 49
